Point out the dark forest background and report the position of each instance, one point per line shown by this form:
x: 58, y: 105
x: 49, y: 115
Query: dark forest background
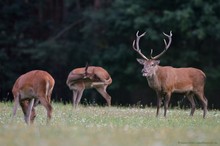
x: 60, y: 35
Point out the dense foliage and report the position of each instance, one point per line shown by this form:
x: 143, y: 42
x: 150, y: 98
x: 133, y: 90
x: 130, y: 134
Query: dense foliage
x: 59, y: 35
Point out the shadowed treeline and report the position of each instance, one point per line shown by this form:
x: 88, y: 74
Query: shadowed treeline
x: 59, y: 35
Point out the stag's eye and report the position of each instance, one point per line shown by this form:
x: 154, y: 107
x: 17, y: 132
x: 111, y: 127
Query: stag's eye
x: 152, y: 65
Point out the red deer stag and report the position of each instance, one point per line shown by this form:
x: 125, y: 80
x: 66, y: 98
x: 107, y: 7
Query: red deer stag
x: 166, y: 80
x: 83, y: 78
x: 29, y: 89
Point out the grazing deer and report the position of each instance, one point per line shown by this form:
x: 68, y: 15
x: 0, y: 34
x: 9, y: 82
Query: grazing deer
x: 30, y: 89
x: 166, y: 80
x: 87, y: 77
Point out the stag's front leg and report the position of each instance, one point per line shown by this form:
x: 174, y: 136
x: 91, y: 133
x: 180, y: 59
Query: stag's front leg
x: 159, y: 98
x: 166, y: 104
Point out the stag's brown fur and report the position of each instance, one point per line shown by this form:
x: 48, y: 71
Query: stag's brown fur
x: 29, y: 89
x: 166, y: 80
x: 83, y: 78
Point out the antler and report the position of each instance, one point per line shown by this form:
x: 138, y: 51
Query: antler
x: 137, y: 49
x: 166, y: 46
x: 86, y: 68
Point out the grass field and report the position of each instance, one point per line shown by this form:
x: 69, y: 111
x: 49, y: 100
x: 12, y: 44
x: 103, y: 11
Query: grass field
x: 109, y: 126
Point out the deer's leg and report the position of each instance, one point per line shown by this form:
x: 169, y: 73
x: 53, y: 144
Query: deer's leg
x: 36, y: 102
x: 49, y: 94
x: 74, y: 98
x: 97, y: 84
x: 159, y: 98
x: 29, y: 112
x: 191, y: 100
x: 102, y: 91
x: 24, y: 106
x: 204, y: 102
x: 16, y: 102
x: 205, y: 106
x: 33, y: 115
x: 48, y: 107
x: 166, y: 104
x: 79, y: 96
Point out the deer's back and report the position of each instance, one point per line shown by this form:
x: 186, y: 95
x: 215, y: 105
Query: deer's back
x: 181, y: 79
x: 75, y: 78
x: 33, y: 82
x: 99, y: 71
x: 75, y: 74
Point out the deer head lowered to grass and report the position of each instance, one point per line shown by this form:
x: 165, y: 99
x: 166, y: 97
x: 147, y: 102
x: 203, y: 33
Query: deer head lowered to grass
x: 29, y: 89
x: 166, y: 80
x: 87, y: 77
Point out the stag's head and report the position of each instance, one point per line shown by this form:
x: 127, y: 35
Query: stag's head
x: 150, y: 65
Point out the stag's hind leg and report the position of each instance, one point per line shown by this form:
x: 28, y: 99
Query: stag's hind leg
x: 204, y: 102
x: 191, y: 100
x: 102, y: 91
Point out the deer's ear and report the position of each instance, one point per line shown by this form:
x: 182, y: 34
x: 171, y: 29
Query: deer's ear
x: 141, y: 61
x: 156, y: 62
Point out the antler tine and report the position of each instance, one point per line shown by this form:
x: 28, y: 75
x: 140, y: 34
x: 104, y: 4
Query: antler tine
x: 170, y: 39
x: 167, y: 45
x: 167, y: 34
x: 151, y: 53
x: 137, y: 49
x: 86, y: 68
x: 139, y: 36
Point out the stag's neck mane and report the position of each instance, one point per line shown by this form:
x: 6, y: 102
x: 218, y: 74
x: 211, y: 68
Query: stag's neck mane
x: 153, y: 80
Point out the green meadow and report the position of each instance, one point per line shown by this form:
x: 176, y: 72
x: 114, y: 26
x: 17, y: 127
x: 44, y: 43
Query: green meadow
x: 109, y: 126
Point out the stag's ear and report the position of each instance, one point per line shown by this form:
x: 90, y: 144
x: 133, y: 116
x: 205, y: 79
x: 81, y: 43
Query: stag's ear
x: 141, y: 61
x: 156, y: 62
